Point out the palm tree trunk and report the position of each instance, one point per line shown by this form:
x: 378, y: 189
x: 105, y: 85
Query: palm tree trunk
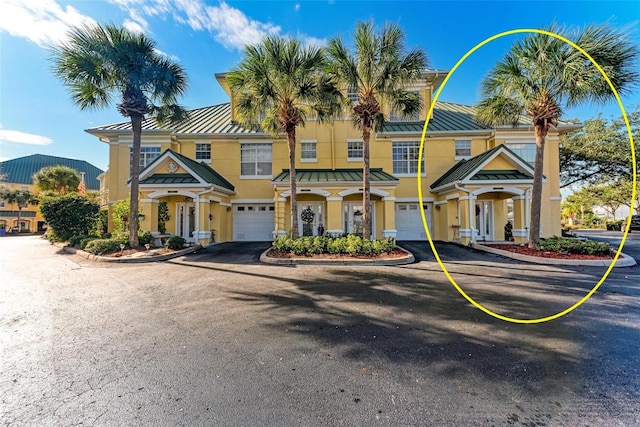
x: 536, y: 194
x: 136, y: 125
x: 366, y: 187
x: 293, y: 198
x: 19, y: 217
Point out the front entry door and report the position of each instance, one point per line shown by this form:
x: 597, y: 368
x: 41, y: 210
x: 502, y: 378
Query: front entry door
x: 185, y: 220
x: 484, y: 219
x: 353, y: 213
x: 310, y: 216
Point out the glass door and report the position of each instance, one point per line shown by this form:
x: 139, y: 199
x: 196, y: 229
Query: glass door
x: 185, y: 220
x: 353, y: 214
x: 484, y: 219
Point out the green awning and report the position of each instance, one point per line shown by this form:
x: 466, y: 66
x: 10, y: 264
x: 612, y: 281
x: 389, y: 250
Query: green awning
x: 334, y: 175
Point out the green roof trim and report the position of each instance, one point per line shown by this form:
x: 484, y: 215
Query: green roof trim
x: 23, y: 214
x: 170, y: 178
x: 502, y: 175
x: 22, y: 169
x: 464, y: 168
x: 334, y: 175
x: 201, y: 169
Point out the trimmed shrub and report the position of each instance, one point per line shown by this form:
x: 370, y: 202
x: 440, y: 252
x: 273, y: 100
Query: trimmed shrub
x: 101, y: 246
x: 145, y: 238
x: 573, y: 246
x: 70, y: 215
x: 333, y: 244
x: 176, y: 243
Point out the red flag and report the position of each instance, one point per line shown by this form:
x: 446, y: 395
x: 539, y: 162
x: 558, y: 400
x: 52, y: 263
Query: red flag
x: 82, y: 188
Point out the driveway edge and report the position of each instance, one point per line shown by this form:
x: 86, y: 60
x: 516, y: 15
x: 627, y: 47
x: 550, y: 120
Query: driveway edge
x: 128, y: 259
x: 623, y: 261
x: 407, y: 259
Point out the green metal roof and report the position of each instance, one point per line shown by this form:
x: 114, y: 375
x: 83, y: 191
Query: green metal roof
x: 493, y: 175
x: 203, y: 170
x: 447, y: 117
x: 215, y: 119
x: 333, y: 175
x: 170, y: 178
x: 464, y: 168
x: 23, y: 214
x: 22, y: 169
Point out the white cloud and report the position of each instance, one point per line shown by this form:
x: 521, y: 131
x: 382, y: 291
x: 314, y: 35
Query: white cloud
x: 43, y: 22
x: 228, y: 25
x: 7, y: 135
x: 133, y: 26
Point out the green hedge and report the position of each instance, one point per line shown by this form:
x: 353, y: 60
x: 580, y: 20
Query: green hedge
x: 176, y: 243
x: 350, y: 244
x: 573, y: 246
x: 101, y: 246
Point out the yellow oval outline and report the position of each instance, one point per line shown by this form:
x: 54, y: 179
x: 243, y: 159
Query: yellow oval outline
x: 420, y: 198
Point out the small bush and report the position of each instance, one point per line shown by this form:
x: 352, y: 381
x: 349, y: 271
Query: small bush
x: 573, y: 246
x: 81, y: 241
x: 176, y: 243
x: 145, y: 238
x: 101, y: 246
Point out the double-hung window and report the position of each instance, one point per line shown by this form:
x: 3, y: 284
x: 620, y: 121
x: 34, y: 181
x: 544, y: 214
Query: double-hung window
x: 203, y: 152
x: 255, y: 160
x: 354, y: 150
x: 405, y: 158
x: 463, y: 148
x: 308, y: 151
x: 147, y: 155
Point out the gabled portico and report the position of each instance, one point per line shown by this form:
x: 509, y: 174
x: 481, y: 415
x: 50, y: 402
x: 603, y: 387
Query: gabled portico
x: 475, y: 197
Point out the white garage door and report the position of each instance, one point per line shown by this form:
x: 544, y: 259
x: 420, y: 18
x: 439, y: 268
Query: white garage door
x: 253, y: 222
x: 409, y: 221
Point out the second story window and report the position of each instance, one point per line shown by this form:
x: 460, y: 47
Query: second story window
x: 526, y: 150
x: 147, y: 155
x: 354, y: 151
x: 255, y: 160
x: 203, y: 152
x: 463, y: 148
x: 308, y: 151
x: 405, y: 158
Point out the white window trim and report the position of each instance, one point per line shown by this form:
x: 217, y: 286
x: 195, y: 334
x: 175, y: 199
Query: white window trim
x: 409, y: 175
x: 354, y: 159
x: 309, y: 160
x: 269, y: 176
x: 454, y: 149
x: 196, y: 152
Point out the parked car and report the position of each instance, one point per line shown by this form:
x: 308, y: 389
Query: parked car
x: 635, y: 223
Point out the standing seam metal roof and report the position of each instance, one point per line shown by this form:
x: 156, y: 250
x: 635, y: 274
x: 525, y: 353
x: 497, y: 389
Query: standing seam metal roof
x: 333, y: 175
x: 22, y: 169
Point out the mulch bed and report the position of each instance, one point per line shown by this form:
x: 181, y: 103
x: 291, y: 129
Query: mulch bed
x: 547, y: 254
x: 395, y: 253
x: 141, y: 249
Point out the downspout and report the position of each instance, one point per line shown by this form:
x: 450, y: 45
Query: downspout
x: 472, y: 216
x: 196, y: 230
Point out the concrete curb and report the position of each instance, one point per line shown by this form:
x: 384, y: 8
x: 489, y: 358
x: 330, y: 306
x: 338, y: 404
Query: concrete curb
x: 129, y: 259
x: 623, y: 261
x: 407, y: 259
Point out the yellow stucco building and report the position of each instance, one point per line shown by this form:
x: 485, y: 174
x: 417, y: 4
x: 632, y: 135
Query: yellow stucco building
x: 18, y: 175
x: 225, y: 182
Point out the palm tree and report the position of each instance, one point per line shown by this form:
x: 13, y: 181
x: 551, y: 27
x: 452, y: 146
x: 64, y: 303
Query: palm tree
x: 21, y: 198
x: 541, y: 73
x: 378, y: 70
x: 277, y: 86
x: 57, y: 179
x: 98, y: 62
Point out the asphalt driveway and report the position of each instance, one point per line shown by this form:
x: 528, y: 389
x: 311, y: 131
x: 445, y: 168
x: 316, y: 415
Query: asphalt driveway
x: 216, y: 338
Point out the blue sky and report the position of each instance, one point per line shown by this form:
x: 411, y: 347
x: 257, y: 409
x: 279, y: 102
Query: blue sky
x: 207, y: 37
